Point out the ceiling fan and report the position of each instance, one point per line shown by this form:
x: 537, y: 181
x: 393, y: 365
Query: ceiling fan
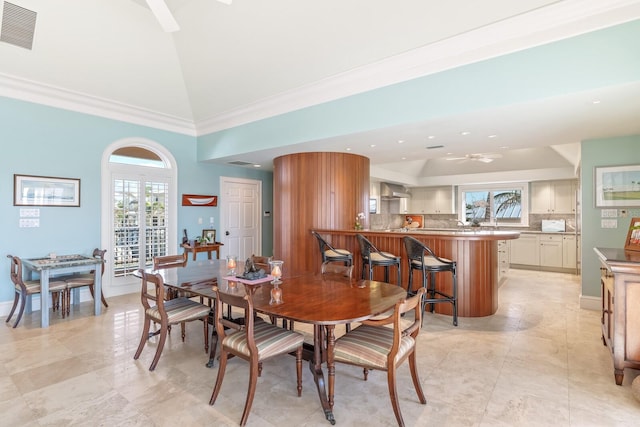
x: 478, y: 157
x: 164, y: 15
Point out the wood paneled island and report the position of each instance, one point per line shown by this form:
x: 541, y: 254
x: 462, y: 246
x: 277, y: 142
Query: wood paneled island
x: 475, y: 252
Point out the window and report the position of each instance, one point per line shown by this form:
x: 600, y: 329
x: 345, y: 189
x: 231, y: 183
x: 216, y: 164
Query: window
x: 498, y: 204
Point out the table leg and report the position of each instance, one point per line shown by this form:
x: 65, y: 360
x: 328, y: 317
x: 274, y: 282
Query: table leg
x: 44, y: 298
x: 315, y: 365
x: 97, y: 289
x: 209, y: 254
x: 195, y: 253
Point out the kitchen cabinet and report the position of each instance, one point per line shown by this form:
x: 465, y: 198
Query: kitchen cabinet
x: 569, y: 251
x: 551, y: 250
x: 545, y: 251
x: 557, y: 197
x: 503, y: 260
x: 525, y: 250
x: 620, y: 320
x: 432, y: 200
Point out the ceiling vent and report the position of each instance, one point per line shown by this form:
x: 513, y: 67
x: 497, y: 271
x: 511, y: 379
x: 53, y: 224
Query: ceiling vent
x: 18, y: 25
x: 239, y: 163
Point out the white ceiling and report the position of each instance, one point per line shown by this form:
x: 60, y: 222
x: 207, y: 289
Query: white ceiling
x: 230, y: 65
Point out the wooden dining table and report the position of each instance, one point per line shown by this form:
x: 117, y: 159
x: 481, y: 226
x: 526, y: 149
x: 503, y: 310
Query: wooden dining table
x: 306, y: 298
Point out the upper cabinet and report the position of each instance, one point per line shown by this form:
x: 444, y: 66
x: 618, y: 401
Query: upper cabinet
x: 553, y: 197
x: 432, y: 200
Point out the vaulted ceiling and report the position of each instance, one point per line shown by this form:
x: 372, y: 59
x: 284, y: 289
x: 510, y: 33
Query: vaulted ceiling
x: 251, y: 61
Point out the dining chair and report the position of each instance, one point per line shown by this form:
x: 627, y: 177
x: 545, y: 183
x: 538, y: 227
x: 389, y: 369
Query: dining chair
x: 421, y: 257
x: 253, y: 341
x: 373, y: 257
x: 80, y: 280
x: 166, y: 313
x: 171, y: 261
x: 26, y: 288
x: 329, y: 253
x: 330, y: 270
x: 384, y: 345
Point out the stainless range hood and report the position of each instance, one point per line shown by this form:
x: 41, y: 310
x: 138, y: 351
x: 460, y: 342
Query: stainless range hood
x: 390, y: 191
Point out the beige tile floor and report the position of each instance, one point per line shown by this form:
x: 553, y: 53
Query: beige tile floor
x: 539, y: 361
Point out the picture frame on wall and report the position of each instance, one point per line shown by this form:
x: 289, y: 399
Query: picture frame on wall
x: 633, y: 236
x: 33, y: 190
x: 617, y: 186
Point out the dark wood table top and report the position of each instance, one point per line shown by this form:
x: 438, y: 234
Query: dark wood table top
x: 307, y: 298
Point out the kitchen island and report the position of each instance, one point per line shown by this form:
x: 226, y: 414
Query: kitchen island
x: 475, y: 252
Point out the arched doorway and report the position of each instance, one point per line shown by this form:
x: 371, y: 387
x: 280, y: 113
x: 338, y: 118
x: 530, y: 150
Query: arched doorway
x: 139, y: 210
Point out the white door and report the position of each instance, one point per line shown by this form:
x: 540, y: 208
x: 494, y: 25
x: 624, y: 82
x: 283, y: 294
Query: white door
x: 240, y: 211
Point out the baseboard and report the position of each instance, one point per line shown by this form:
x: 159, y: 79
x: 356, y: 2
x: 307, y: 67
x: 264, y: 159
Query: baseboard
x: 590, y: 303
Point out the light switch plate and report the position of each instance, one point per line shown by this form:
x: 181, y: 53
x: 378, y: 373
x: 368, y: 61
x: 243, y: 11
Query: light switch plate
x: 609, y: 223
x: 609, y: 213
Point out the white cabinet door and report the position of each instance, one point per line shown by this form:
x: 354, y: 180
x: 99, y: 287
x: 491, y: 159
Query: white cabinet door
x: 569, y: 251
x: 432, y: 200
x: 418, y: 202
x: 540, y: 197
x: 564, y: 197
x: 439, y: 200
x: 553, y: 197
x: 550, y: 250
x: 525, y: 250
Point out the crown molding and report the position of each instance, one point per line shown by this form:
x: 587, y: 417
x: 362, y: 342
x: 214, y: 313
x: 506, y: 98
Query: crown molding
x: 545, y: 25
x: 39, y: 93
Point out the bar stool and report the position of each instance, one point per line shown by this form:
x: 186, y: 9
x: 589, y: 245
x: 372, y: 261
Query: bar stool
x: 329, y: 253
x: 373, y: 257
x: 422, y: 258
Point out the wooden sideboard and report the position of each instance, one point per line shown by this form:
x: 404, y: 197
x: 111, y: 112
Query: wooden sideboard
x: 475, y: 252
x: 620, y: 281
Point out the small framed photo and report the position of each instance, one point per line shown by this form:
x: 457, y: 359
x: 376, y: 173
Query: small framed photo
x: 633, y: 236
x: 32, y: 190
x: 209, y: 235
x: 373, y: 205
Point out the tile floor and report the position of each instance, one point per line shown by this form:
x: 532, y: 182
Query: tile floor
x: 539, y: 361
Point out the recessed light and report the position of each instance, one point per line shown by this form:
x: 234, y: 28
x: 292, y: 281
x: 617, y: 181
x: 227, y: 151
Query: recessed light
x: 493, y: 136
x: 403, y: 158
x: 595, y: 101
x: 431, y: 137
x: 465, y: 133
x: 256, y: 166
x: 348, y: 149
x: 372, y: 145
x: 400, y: 141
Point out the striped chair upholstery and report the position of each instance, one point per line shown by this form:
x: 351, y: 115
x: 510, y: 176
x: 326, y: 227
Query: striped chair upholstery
x: 166, y: 313
x: 253, y: 341
x: 384, y: 345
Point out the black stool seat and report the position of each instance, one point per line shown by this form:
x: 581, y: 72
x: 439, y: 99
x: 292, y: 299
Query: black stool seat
x: 372, y: 257
x: 422, y: 258
x: 331, y: 254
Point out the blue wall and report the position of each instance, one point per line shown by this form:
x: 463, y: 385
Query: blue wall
x: 597, y: 153
x: 40, y: 140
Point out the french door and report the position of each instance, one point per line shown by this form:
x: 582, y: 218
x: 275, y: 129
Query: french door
x: 140, y: 222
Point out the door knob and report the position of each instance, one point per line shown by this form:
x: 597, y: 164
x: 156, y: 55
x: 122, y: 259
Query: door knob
x: 226, y: 233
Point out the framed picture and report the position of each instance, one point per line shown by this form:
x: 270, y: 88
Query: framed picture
x: 199, y: 200
x: 373, y: 205
x: 31, y: 190
x: 209, y: 235
x: 617, y: 186
x: 633, y: 236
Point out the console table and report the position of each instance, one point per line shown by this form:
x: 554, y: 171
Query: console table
x: 203, y: 248
x: 620, y: 282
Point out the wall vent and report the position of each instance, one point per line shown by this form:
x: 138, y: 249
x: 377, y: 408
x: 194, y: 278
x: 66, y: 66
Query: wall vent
x: 18, y: 25
x: 239, y: 163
